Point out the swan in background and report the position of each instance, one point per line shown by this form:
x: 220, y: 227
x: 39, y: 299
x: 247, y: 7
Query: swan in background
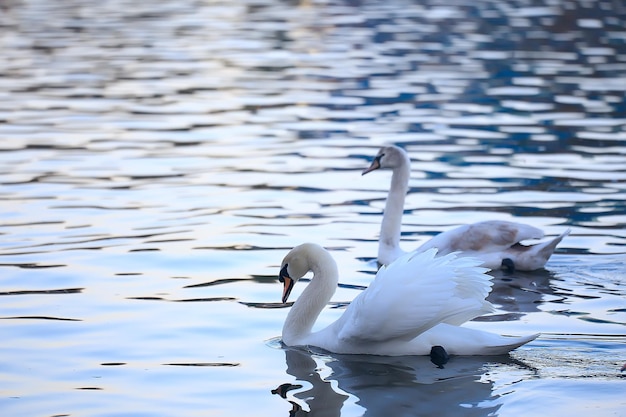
x: 417, y: 302
x: 495, y: 242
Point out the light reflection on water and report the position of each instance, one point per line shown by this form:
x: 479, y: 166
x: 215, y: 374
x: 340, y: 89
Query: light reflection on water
x: 159, y: 160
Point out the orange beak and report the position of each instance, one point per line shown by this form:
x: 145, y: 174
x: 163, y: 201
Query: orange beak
x: 287, y: 283
x: 374, y: 166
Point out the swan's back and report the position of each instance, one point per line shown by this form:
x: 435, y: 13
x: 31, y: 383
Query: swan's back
x: 482, y: 237
x: 413, y: 294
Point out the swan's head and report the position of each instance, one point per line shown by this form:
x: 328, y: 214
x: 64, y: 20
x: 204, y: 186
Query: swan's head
x: 295, y: 265
x: 389, y: 157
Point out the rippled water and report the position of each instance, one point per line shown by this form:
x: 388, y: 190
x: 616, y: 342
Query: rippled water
x: 160, y: 158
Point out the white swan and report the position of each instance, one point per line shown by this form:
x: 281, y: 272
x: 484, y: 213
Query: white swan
x: 495, y: 242
x: 402, y: 312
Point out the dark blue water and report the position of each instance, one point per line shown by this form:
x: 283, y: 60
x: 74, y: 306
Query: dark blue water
x: 159, y: 159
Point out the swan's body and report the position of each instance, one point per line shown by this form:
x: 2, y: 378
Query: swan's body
x: 495, y: 242
x: 402, y: 312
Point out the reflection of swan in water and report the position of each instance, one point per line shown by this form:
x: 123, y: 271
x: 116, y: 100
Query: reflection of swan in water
x: 495, y: 242
x: 393, y: 386
x: 402, y: 312
x: 318, y: 397
x: 520, y: 292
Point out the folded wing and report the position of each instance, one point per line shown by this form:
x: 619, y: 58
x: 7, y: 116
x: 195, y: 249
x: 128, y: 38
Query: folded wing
x: 413, y: 294
x: 487, y: 236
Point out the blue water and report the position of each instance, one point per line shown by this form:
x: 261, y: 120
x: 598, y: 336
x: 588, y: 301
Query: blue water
x: 159, y: 159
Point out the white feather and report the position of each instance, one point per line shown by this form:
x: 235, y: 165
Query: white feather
x: 415, y: 303
x: 490, y: 241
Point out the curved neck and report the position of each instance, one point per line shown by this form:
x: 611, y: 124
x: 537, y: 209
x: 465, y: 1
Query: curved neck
x: 313, y: 299
x: 394, y: 208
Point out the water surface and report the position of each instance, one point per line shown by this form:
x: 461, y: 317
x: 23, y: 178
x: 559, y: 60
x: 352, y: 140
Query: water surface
x: 159, y: 160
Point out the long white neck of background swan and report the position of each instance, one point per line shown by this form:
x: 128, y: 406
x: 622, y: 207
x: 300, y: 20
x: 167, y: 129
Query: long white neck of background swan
x: 394, y: 208
x: 312, y: 301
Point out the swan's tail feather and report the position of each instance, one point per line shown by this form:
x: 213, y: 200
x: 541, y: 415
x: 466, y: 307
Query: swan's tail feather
x: 532, y: 257
x: 548, y: 248
x: 466, y: 341
x: 508, y: 344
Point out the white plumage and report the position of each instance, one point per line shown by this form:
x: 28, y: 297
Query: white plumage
x: 415, y: 303
x: 492, y: 241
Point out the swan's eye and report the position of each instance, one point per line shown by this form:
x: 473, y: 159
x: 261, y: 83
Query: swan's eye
x: 283, y: 273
